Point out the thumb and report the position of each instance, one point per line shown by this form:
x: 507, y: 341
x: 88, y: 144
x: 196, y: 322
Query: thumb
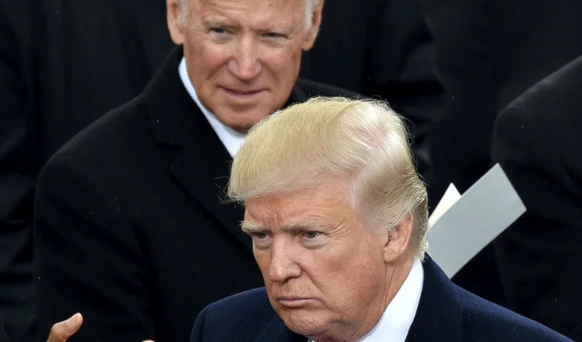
x: 61, y: 331
x: 74, y: 323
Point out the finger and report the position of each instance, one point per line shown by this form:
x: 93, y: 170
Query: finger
x: 61, y: 331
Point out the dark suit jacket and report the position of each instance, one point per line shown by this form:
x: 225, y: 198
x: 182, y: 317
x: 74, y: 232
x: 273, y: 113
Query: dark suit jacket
x: 537, y: 142
x: 130, y: 229
x: 445, y: 313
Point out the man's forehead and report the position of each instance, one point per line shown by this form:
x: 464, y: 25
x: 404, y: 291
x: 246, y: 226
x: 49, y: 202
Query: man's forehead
x: 285, y: 214
x: 258, y: 15
x: 272, y: 220
x: 252, y: 5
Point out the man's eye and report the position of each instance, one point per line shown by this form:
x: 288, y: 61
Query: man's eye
x: 273, y: 35
x: 311, y: 235
x: 218, y: 31
x: 262, y: 240
x: 260, y: 236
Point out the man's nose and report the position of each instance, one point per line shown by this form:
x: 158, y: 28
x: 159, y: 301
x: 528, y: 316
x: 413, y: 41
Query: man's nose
x: 283, y: 265
x: 245, y: 64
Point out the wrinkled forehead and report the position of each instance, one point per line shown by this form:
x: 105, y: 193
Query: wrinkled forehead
x: 253, y: 10
x: 321, y: 204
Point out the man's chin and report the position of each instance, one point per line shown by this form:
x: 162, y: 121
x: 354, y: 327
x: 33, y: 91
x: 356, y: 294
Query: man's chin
x: 306, y: 326
x: 240, y: 120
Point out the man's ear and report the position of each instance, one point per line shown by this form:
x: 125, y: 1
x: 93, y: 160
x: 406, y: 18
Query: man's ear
x: 175, y: 22
x: 398, y: 239
x: 315, y: 25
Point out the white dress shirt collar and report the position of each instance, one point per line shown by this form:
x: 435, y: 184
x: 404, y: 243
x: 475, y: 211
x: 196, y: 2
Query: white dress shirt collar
x: 398, y: 316
x: 230, y: 138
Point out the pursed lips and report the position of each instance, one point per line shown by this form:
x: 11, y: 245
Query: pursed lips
x: 293, y: 301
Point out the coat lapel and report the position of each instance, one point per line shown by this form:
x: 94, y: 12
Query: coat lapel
x: 202, y: 167
x: 196, y: 156
x: 439, y: 316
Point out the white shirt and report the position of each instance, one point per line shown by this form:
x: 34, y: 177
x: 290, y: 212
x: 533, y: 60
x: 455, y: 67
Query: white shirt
x: 398, y: 316
x: 230, y: 138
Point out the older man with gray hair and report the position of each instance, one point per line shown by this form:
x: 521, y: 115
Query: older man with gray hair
x: 338, y: 219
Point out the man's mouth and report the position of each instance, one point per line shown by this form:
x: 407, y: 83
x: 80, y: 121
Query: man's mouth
x: 294, y: 302
x: 242, y: 93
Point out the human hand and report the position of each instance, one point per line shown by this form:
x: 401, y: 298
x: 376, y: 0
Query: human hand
x: 61, y: 331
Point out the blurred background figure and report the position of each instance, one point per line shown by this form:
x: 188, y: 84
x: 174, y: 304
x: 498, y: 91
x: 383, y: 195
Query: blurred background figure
x: 537, y: 142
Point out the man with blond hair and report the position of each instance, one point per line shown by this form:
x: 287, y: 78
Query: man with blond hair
x: 338, y: 219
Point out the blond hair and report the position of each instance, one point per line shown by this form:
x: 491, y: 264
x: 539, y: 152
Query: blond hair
x: 362, y: 140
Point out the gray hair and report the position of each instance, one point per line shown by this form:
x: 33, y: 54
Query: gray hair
x: 363, y: 141
x: 309, y: 9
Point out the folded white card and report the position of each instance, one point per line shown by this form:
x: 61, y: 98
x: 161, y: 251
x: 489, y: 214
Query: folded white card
x: 458, y: 233
x: 450, y: 197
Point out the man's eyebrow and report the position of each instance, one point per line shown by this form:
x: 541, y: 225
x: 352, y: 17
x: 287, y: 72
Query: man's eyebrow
x: 251, y: 227
x: 310, y: 223
x: 275, y: 28
x: 302, y: 225
x: 217, y: 19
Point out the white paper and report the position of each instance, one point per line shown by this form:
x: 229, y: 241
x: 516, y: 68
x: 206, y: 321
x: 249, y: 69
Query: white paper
x: 450, y: 197
x: 481, y: 214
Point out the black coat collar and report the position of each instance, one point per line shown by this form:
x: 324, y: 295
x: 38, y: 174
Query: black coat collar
x: 439, y: 316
